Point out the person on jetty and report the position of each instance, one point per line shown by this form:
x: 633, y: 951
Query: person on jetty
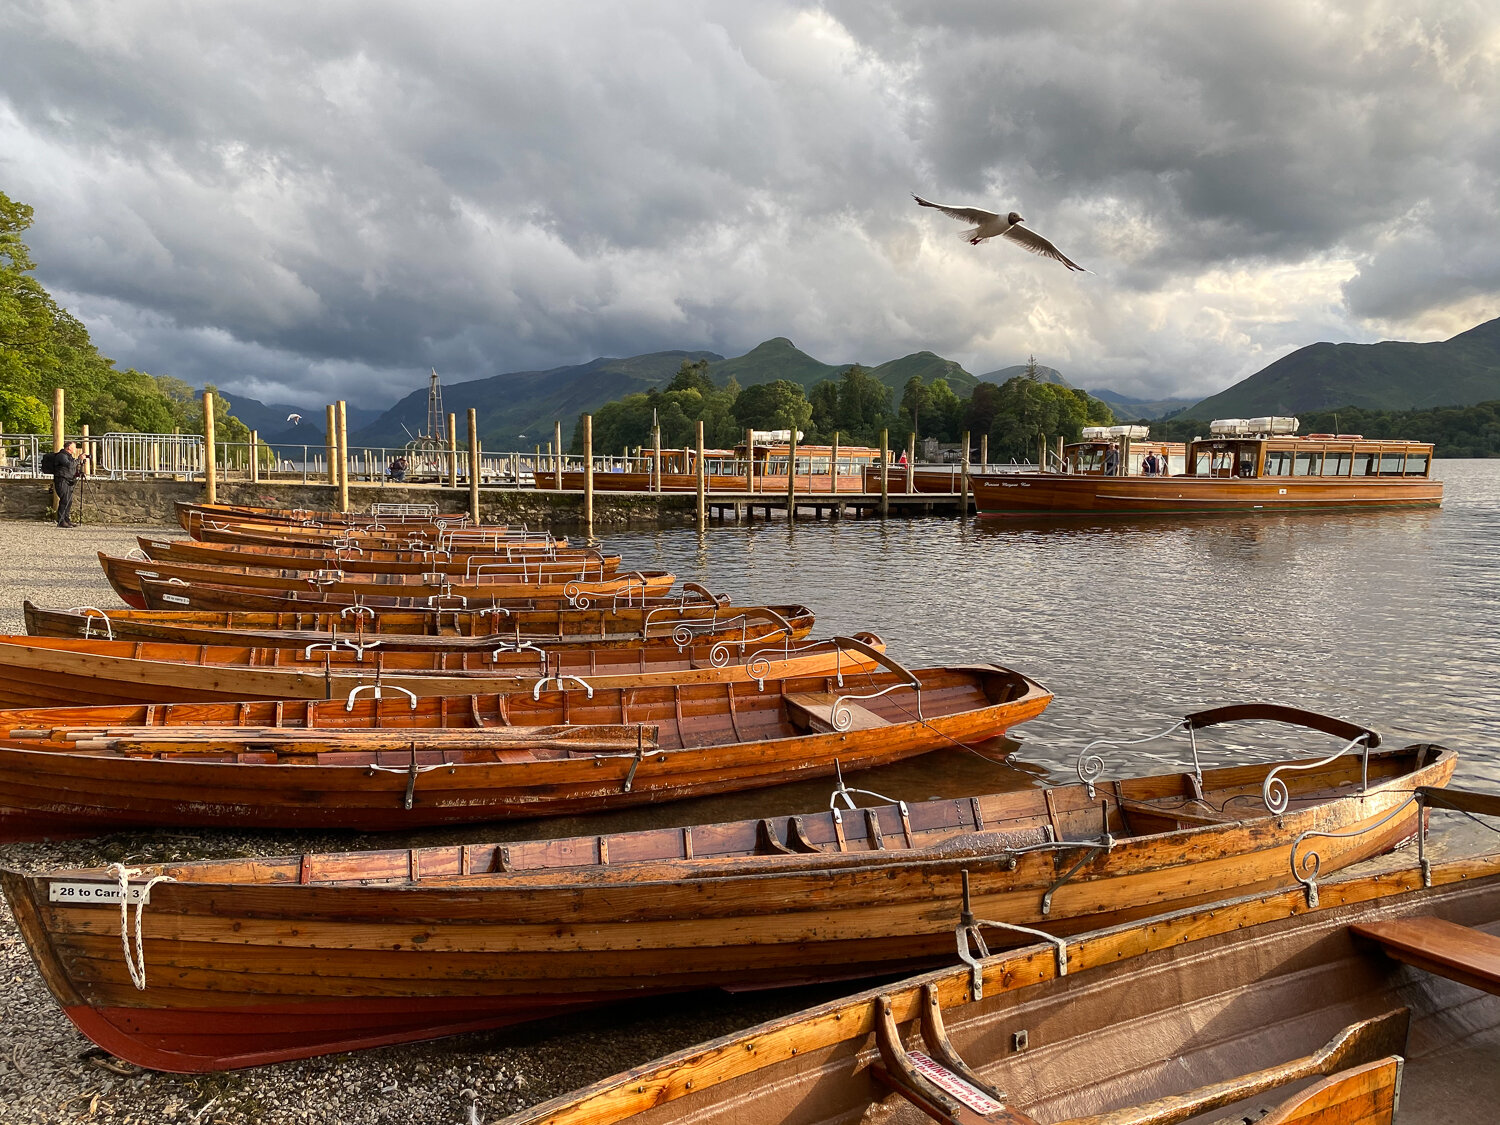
x: 67, y: 467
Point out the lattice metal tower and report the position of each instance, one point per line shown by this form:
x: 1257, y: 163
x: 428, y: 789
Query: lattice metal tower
x: 437, y: 421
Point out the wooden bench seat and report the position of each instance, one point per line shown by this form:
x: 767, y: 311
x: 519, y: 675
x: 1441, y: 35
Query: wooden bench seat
x: 812, y: 710
x: 1189, y: 814
x: 1446, y: 949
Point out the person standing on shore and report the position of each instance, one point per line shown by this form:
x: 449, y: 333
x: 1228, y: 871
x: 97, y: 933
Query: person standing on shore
x: 67, y: 466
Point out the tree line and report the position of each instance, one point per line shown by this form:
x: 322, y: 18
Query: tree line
x: 44, y: 347
x: 1454, y: 431
x: 856, y: 406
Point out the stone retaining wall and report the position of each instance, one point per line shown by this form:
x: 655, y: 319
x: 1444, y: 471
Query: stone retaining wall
x: 151, y: 502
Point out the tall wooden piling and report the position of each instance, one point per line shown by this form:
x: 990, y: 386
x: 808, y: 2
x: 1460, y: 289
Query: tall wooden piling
x: 833, y: 465
x: 911, y: 463
x: 750, y: 462
x: 588, y: 476
x: 453, y: 451
x: 557, y: 454
x: 254, y: 456
x: 984, y: 453
x: 210, y: 467
x: 700, y: 473
x: 885, y: 474
x: 343, y: 430
x: 1041, y: 453
x: 963, y: 476
x: 656, y: 464
x: 333, y: 445
x: 791, y: 477
x: 473, y: 466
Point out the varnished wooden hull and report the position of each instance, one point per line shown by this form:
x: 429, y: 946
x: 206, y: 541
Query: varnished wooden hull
x: 380, y: 561
x: 124, y: 576
x: 1030, y: 494
x: 1146, y: 1011
x: 46, y: 672
x: 336, y: 952
x: 452, y: 760
x: 190, y: 512
x: 449, y: 629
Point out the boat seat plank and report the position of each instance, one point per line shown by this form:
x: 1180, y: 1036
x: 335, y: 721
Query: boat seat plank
x: 812, y: 711
x: 1443, y: 948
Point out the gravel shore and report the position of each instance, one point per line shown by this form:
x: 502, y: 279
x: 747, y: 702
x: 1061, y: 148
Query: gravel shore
x: 48, y: 1077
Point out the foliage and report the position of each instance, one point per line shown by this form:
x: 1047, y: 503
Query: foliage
x: 777, y: 405
x: 44, y: 347
x: 857, y: 406
x: 689, y: 398
x: 1027, y: 410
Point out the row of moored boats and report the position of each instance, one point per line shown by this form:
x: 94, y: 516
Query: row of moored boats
x: 300, y: 670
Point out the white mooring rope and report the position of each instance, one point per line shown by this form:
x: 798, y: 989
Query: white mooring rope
x: 135, y: 963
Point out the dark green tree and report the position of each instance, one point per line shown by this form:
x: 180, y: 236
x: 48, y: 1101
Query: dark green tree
x: 777, y: 405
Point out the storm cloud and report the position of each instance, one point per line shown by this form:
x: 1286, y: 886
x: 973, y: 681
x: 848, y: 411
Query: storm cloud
x: 301, y: 201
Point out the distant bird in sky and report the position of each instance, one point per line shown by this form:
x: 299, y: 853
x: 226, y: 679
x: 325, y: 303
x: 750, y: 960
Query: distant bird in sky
x: 294, y: 419
x: 987, y: 224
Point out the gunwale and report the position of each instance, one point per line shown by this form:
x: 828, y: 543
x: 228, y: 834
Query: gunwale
x: 583, y: 564
x: 490, y: 948
x: 124, y: 576
x: 41, y: 671
x: 447, y: 628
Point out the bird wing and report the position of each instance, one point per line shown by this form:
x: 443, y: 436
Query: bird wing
x: 974, y: 215
x: 1030, y: 240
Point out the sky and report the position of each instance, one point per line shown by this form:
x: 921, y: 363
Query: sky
x: 307, y: 201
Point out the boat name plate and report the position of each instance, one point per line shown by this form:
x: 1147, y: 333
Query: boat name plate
x: 90, y: 894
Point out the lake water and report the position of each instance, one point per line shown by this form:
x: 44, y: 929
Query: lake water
x: 1387, y: 619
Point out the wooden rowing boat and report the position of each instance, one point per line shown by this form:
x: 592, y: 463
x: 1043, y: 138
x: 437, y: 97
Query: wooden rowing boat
x: 124, y: 575
x: 178, y: 594
x: 1185, y: 1014
x: 354, y: 559
x: 403, y: 762
x: 480, y: 539
x: 690, y: 620
x: 259, y: 960
x: 413, y: 515
x: 53, y: 672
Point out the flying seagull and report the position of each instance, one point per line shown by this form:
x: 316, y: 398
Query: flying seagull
x: 294, y: 419
x: 987, y: 224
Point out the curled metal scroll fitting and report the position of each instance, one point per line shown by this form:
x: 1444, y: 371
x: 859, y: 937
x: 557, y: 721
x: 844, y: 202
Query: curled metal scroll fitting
x: 1274, y: 790
x: 560, y: 682
x: 972, y: 949
x: 378, y: 689
x: 1305, y: 870
x: 89, y: 612
x: 1090, y: 766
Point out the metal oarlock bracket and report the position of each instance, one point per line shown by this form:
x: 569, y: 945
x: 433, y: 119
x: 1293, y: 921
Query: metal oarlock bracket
x: 968, y: 933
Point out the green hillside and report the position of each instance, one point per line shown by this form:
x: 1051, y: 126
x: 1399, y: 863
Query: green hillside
x: 775, y: 359
x: 930, y: 367
x: 1391, y: 375
x: 517, y: 410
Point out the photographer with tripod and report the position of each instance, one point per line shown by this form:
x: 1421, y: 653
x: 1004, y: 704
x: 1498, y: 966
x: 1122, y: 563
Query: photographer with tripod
x: 66, y: 467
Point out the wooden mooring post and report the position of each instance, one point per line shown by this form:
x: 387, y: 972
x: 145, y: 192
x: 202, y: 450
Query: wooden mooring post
x: 963, y: 476
x: 332, y: 444
x: 453, y: 451
x: 702, y: 481
x: 911, y: 462
x: 833, y: 472
x: 885, y: 473
x: 984, y: 453
x: 210, y: 468
x: 557, y: 454
x: 474, y: 466
x: 791, y: 478
x: 343, y: 424
x: 254, y: 456
x: 750, y: 466
x: 588, y: 476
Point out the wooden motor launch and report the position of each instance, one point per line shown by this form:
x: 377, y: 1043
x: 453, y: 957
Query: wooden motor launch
x: 1213, y: 1014
x: 124, y: 575
x: 47, y: 672
x: 691, y: 620
x: 252, y: 961
x: 403, y: 762
x: 355, y: 559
